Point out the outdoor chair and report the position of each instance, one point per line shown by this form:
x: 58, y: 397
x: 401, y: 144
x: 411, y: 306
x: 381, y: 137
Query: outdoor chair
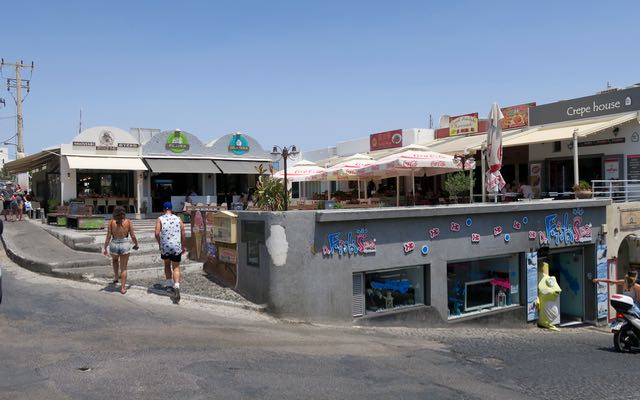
x: 112, y: 202
x: 101, y: 203
x: 132, y: 205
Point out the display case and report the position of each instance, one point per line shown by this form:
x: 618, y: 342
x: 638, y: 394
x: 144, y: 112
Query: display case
x: 225, y: 227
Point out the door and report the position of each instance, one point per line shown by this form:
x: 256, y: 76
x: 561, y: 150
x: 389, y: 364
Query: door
x: 568, y: 268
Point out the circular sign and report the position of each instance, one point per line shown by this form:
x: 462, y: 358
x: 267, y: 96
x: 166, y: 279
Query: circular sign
x: 396, y: 138
x: 106, y: 138
x: 177, y: 142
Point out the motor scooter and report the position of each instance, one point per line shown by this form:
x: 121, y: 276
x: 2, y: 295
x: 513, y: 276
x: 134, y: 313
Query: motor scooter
x: 626, y: 327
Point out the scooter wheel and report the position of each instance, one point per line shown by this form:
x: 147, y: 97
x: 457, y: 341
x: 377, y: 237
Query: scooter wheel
x: 621, y: 340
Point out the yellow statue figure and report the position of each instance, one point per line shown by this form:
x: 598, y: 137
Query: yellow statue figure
x: 548, y: 299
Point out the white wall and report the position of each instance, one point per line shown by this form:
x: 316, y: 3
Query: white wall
x: 353, y: 146
x: 4, y: 154
x: 417, y: 135
x: 315, y: 155
x: 543, y: 151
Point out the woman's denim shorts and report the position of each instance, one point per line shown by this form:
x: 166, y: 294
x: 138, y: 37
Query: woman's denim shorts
x: 120, y: 247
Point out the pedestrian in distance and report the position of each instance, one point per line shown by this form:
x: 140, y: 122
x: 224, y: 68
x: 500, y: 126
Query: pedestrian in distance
x: 119, y: 246
x: 171, y: 237
x: 14, y: 208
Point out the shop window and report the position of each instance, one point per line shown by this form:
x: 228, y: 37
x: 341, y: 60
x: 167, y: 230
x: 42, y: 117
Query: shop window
x: 483, y: 284
x: 394, y: 289
x: 253, y: 235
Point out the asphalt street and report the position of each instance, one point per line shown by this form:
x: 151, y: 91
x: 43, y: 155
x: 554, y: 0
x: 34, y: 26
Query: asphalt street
x: 62, y: 339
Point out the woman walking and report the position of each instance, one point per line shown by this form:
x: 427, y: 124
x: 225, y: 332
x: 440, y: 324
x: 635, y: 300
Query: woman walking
x: 118, y: 232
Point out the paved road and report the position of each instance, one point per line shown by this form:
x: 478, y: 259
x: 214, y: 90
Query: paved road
x: 142, y: 346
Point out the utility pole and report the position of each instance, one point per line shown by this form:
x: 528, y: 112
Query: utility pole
x: 18, y: 84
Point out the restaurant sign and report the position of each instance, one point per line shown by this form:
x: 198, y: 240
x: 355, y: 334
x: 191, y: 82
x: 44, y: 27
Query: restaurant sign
x: 516, y: 116
x: 177, y: 142
x: 463, y: 124
x: 385, y: 140
x: 613, y: 102
x: 238, y: 144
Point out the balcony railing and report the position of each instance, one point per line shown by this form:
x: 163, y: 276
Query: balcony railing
x: 617, y: 190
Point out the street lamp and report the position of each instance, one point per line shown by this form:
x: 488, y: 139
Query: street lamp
x: 285, y: 152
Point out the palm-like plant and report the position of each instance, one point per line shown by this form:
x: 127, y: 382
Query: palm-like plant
x: 269, y: 194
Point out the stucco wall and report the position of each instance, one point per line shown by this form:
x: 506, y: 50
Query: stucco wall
x: 303, y: 283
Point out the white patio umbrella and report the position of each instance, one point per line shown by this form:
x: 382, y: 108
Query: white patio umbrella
x: 407, y: 161
x: 302, y: 171
x: 346, y: 170
x: 495, y: 181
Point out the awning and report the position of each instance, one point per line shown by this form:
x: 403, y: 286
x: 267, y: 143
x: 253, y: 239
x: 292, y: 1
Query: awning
x: 160, y: 165
x: 32, y: 161
x: 551, y: 134
x: 241, y: 166
x: 458, y: 144
x: 110, y: 163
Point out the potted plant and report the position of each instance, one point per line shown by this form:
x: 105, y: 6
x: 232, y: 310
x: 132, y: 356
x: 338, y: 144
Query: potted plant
x: 269, y: 194
x: 582, y: 190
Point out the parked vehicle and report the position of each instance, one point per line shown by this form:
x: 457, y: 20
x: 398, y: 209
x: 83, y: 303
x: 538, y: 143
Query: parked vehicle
x: 626, y: 327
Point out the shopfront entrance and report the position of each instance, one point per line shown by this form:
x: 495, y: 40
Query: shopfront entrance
x: 561, y: 172
x: 165, y: 185
x: 568, y: 268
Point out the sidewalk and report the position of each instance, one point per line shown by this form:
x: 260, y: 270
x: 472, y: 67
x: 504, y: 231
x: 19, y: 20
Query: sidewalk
x: 33, y: 246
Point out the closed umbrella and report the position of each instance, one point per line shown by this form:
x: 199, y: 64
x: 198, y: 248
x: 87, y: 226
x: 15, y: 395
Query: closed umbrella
x: 495, y: 181
x: 407, y: 161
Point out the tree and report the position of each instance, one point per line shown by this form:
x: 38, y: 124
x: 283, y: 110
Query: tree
x: 269, y: 194
x: 457, y: 183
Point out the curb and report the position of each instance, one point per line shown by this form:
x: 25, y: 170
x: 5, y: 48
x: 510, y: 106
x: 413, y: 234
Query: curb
x: 190, y: 297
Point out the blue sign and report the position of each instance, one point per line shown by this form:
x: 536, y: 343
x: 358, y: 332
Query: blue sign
x: 238, y: 144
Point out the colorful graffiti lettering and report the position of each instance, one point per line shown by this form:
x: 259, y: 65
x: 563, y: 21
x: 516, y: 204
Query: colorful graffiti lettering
x: 543, y: 238
x: 507, y: 237
x: 359, y: 244
x: 517, y: 225
x: 578, y: 211
x: 468, y: 222
x: 475, y: 238
x: 409, y: 247
x: 533, y: 235
x: 424, y: 250
x: 434, y: 233
x: 567, y: 231
x: 497, y: 230
x: 455, y: 227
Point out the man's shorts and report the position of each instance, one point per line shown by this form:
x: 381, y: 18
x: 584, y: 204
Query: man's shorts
x: 172, y: 257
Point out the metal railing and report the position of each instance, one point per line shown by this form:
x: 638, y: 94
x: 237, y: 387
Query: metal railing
x: 617, y: 190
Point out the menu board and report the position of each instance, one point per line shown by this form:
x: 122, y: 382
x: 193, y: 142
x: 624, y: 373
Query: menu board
x: 633, y: 167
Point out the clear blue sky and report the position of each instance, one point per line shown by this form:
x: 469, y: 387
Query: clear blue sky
x: 302, y: 72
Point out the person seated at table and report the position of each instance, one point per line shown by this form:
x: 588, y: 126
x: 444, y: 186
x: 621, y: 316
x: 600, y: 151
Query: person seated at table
x: 525, y: 190
x: 507, y: 194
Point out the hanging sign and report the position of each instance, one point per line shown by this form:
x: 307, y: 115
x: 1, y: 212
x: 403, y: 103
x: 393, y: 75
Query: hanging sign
x: 463, y: 124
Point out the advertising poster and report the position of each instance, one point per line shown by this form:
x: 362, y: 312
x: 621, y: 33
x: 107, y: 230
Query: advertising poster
x: 516, y: 116
x: 532, y: 285
x: 611, y: 169
x: 463, y: 124
x: 601, y: 273
x: 385, y: 140
x: 535, y: 175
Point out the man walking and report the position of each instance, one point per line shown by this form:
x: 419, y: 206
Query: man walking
x: 171, y: 236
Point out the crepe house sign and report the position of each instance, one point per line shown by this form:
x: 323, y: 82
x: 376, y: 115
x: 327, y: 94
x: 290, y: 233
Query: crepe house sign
x: 238, y: 144
x: 353, y: 243
x: 177, y: 142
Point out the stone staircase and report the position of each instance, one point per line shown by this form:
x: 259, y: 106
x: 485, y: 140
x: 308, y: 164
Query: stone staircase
x: 147, y: 257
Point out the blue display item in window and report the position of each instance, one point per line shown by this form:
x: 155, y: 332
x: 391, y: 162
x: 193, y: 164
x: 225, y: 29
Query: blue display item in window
x: 399, y: 285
